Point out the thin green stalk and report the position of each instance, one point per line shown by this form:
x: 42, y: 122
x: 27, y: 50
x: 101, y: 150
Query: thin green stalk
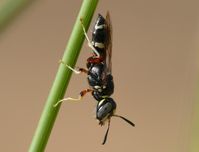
x: 62, y: 78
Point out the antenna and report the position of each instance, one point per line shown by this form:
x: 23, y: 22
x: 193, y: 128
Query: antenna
x: 105, y: 137
x: 125, y: 119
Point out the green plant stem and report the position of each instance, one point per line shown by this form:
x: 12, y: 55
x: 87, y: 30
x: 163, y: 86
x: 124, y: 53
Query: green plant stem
x: 62, y: 78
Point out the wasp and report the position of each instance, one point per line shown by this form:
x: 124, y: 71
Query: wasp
x: 99, y: 72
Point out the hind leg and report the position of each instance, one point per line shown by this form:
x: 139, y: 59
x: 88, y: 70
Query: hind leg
x: 89, y: 42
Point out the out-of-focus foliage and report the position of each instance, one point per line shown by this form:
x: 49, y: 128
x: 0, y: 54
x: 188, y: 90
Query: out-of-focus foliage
x: 9, y: 9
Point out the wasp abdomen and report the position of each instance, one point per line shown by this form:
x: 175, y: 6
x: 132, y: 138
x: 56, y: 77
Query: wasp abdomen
x: 99, y: 35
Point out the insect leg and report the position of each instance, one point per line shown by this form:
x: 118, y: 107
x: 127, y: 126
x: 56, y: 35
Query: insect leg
x: 89, y: 42
x: 84, y: 92
x: 77, y: 70
x: 81, y: 95
x: 106, y: 135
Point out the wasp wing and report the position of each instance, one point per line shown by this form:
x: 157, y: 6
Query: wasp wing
x: 108, y: 45
x: 107, y: 71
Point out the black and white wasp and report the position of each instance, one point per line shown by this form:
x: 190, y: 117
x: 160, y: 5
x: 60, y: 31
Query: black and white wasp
x: 99, y: 72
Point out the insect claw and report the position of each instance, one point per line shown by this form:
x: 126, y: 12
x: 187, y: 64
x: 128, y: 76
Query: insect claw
x: 81, y: 20
x: 61, y: 62
x: 55, y: 105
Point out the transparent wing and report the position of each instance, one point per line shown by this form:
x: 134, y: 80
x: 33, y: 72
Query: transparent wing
x: 108, y: 45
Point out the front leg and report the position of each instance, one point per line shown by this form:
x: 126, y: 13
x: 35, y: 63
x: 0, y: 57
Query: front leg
x: 81, y: 95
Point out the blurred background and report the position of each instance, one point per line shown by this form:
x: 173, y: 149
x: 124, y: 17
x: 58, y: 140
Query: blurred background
x: 155, y: 69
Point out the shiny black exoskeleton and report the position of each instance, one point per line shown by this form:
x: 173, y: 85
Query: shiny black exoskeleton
x: 99, y: 72
x: 100, y: 35
x: 99, y: 78
x: 101, y: 86
x: 100, y: 39
x: 105, y: 108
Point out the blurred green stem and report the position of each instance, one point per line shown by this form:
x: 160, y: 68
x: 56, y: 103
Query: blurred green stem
x: 9, y: 8
x: 62, y: 78
x: 195, y: 127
